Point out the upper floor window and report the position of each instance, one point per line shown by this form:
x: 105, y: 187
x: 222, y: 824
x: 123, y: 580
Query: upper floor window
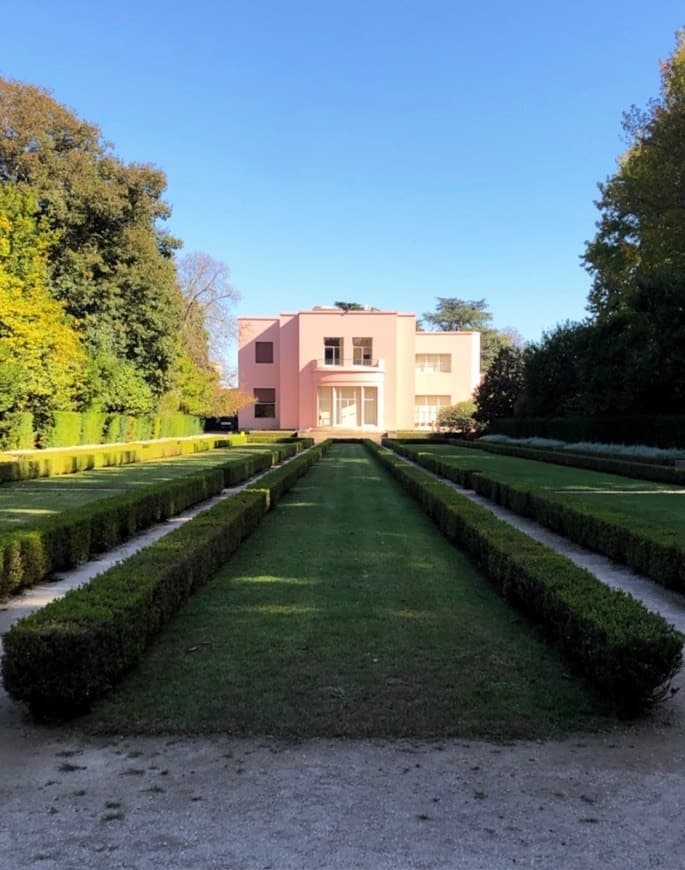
x: 264, y: 351
x: 362, y: 351
x: 265, y: 402
x: 333, y: 351
x: 433, y: 362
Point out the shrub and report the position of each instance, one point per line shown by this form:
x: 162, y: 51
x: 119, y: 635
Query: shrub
x: 16, y: 430
x: 629, y: 653
x: 459, y: 418
x: 92, y: 427
x: 648, y: 550
x: 654, y: 430
x: 63, y: 657
x: 27, y: 555
x: 65, y: 430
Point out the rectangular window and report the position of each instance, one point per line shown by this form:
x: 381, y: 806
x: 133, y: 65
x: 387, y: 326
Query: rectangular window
x: 264, y: 351
x: 362, y: 351
x: 433, y: 362
x: 427, y: 407
x: 333, y: 351
x: 265, y: 402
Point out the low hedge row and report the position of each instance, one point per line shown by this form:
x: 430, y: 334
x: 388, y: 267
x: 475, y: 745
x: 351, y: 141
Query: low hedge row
x: 63, y: 657
x: 69, y: 461
x: 662, y: 472
x: 661, y: 430
x: 269, y: 437
x: 610, y: 638
x: 27, y: 555
x: 649, y: 550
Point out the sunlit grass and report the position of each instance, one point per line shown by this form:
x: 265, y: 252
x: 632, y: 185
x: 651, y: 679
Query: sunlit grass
x: 349, y: 616
x: 23, y: 502
x: 657, y: 504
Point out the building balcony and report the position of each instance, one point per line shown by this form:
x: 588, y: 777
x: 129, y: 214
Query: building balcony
x: 335, y: 362
x: 347, y: 373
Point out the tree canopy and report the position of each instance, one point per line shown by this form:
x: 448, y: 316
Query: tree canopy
x: 94, y: 313
x: 501, y: 386
x: 41, y: 353
x: 455, y: 315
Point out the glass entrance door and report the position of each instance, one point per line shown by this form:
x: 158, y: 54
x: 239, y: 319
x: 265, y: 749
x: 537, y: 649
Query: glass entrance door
x: 346, y: 408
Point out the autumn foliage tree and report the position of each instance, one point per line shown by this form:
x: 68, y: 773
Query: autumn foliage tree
x: 96, y: 312
x: 42, y: 359
x: 110, y: 259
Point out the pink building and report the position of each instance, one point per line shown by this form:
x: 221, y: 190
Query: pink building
x: 366, y: 370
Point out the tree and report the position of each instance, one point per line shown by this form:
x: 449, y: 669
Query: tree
x: 456, y: 315
x: 641, y: 231
x: 110, y: 259
x: 41, y: 353
x: 501, y: 387
x: 634, y: 360
x: 208, y: 299
x: 349, y: 306
x: 459, y: 418
x: 552, y: 383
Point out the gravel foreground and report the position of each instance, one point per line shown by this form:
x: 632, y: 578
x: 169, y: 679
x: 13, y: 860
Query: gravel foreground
x: 610, y: 801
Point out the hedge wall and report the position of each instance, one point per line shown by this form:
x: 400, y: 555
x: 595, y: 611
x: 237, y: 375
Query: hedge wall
x: 16, y: 431
x: 606, y: 635
x: 63, y: 657
x: 71, y: 428
x: 655, y: 431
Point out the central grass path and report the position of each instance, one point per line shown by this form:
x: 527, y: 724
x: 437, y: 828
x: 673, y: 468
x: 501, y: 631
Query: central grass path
x: 347, y: 613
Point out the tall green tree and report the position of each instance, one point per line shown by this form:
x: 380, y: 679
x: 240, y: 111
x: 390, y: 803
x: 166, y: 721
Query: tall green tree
x: 454, y: 315
x: 111, y: 258
x: 637, y: 262
x: 501, y: 388
x: 552, y: 384
x: 641, y: 231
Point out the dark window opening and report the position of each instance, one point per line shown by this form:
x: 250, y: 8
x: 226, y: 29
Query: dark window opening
x: 265, y: 404
x: 264, y: 351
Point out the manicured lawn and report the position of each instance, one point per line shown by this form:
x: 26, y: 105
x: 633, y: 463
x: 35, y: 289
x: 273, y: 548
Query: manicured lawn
x: 656, y: 504
x: 347, y: 614
x: 23, y: 502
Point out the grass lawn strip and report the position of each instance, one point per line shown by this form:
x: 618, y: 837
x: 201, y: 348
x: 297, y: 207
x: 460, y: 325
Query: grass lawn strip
x: 347, y: 613
x: 24, y: 502
x: 637, y: 522
x: 59, y: 540
x: 62, y: 657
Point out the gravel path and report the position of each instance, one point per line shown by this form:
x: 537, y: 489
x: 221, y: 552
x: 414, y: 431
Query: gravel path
x: 614, y: 800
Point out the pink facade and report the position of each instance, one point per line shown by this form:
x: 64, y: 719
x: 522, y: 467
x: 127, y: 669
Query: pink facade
x: 372, y: 370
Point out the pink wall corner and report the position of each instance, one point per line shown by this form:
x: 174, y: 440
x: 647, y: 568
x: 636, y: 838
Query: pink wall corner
x: 252, y: 374
x: 289, y: 383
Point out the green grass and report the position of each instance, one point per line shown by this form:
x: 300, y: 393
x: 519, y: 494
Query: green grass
x: 346, y: 613
x: 656, y: 504
x: 24, y: 502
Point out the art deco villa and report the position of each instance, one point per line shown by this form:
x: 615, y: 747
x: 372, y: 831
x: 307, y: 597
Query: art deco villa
x: 351, y: 370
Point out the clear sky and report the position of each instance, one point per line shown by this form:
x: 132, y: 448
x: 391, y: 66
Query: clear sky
x: 378, y: 151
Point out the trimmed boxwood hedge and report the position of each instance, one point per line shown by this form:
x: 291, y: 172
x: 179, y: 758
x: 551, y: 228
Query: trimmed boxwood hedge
x: 68, y: 461
x: 63, y: 657
x: 660, y: 430
x: 629, y: 653
x: 27, y: 555
x: 649, y: 550
x: 661, y: 472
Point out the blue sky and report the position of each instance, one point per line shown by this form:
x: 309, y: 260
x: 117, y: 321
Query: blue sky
x: 379, y: 152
